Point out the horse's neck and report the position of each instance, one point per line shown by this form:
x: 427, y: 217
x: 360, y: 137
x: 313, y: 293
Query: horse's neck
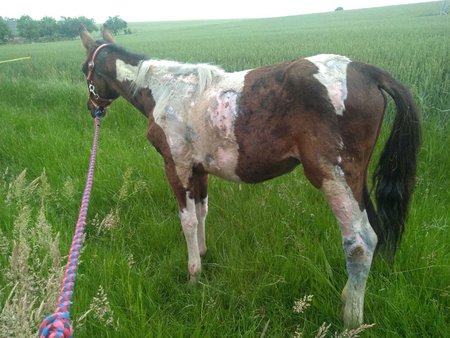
x: 126, y: 77
x: 164, y: 82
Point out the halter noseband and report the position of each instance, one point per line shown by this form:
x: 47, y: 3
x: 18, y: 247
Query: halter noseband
x: 95, y: 99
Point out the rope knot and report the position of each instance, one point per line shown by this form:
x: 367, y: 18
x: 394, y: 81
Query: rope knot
x: 56, y: 325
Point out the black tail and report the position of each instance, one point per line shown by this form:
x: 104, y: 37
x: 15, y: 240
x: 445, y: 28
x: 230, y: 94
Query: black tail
x: 395, y: 175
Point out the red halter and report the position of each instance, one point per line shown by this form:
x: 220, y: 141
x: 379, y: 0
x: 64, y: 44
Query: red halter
x: 96, y: 100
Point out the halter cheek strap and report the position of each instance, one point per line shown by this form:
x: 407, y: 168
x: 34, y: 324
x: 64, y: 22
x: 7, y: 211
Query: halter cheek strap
x: 91, y: 63
x: 96, y: 100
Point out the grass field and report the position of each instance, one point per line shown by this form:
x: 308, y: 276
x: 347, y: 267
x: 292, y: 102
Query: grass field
x: 269, y: 244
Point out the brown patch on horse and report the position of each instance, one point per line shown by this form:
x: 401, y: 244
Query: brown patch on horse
x: 359, y: 127
x: 284, y: 120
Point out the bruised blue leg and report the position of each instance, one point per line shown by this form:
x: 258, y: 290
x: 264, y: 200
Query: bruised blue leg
x: 359, y: 248
x: 359, y: 242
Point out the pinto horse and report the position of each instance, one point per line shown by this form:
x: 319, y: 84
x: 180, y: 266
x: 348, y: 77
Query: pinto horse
x: 324, y: 112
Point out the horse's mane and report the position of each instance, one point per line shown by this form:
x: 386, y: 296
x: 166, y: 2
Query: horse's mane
x: 204, y: 73
x: 174, y: 82
x: 122, y: 51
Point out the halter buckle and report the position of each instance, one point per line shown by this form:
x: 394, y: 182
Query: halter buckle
x: 92, y: 90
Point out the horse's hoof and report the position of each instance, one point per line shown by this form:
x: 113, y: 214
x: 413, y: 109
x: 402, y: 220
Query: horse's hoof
x: 193, y: 280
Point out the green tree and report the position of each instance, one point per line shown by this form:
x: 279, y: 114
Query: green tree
x: 28, y: 28
x: 48, y: 26
x: 69, y: 27
x: 5, y: 32
x: 88, y: 23
x: 116, y: 24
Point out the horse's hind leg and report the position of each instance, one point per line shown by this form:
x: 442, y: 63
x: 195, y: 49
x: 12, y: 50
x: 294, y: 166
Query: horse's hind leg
x: 359, y: 241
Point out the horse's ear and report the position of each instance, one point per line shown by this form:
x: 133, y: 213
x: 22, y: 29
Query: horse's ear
x: 86, y: 39
x: 107, y: 34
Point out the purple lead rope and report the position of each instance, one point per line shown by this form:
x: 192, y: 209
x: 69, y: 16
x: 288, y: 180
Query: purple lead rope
x: 58, y: 323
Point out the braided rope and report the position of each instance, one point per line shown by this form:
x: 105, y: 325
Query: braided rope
x: 58, y: 323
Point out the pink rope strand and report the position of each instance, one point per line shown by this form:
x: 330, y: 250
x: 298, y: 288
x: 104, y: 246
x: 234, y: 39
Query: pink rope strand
x: 58, y: 323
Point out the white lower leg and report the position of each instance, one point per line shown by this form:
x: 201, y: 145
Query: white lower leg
x: 189, y: 223
x: 201, y: 210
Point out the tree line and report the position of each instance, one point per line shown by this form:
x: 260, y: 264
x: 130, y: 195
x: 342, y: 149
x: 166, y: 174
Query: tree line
x: 48, y: 28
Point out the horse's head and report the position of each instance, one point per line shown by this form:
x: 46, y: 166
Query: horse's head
x: 98, y: 69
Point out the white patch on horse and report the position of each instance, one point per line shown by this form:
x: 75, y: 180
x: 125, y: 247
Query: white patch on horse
x: 338, y: 168
x: 220, y: 151
x: 173, y: 80
x: 125, y: 72
x: 196, y: 106
x: 224, y: 115
x: 201, y: 209
x: 332, y: 74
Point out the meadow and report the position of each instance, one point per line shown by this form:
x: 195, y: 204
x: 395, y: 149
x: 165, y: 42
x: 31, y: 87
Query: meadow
x: 270, y: 246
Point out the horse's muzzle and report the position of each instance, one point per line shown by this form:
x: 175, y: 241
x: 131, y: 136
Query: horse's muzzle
x: 100, y: 112
x: 95, y: 110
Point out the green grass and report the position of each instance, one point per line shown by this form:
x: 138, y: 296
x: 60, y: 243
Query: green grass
x: 269, y: 244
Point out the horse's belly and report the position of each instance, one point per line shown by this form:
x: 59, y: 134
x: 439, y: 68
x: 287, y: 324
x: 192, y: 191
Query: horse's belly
x: 227, y: 161
x: 261, y: 169
x: 220, y: 160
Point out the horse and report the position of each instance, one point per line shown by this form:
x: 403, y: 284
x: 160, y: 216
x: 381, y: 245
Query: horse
x: 323, y: 112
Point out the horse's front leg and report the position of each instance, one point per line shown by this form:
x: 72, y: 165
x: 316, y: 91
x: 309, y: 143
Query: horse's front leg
x: 189, y: 223
x: 184, y: 189
x: 201, y: 207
